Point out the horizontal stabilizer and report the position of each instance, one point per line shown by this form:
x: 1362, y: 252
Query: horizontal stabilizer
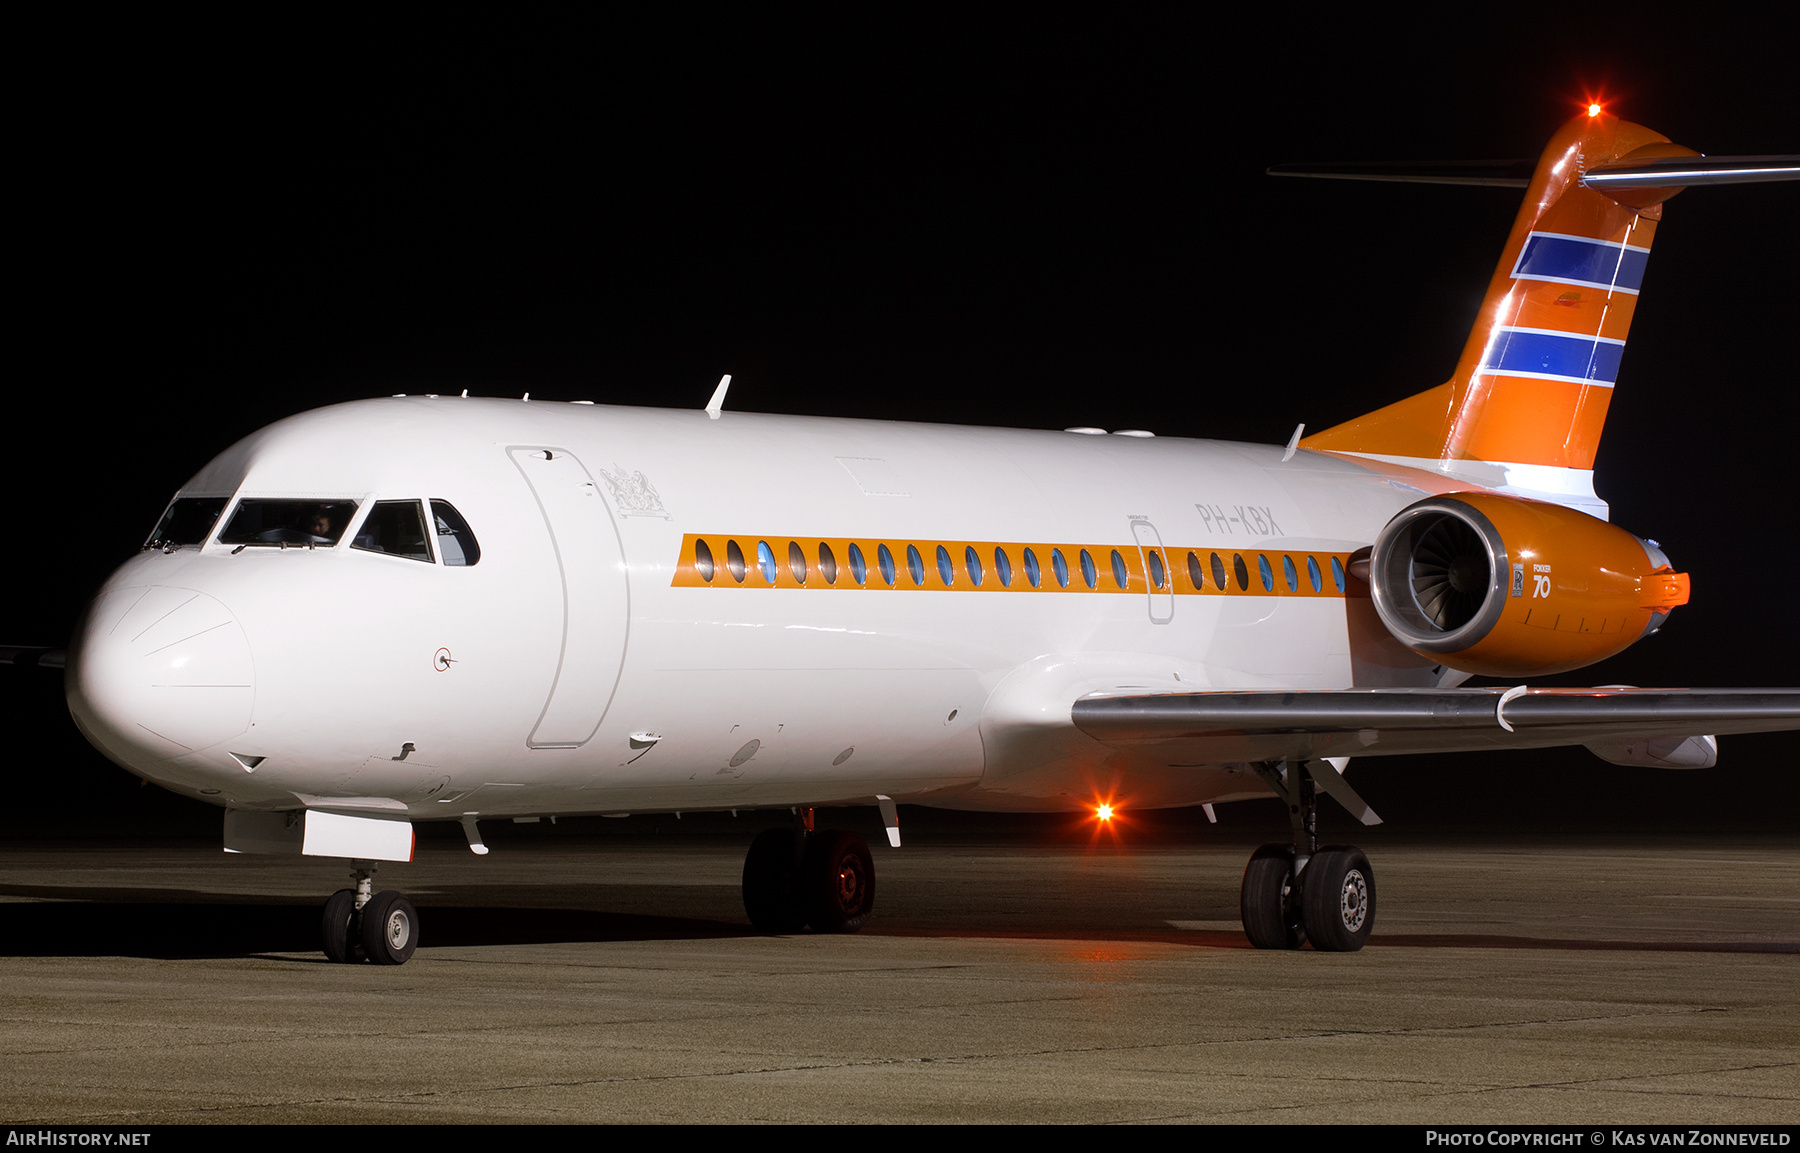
x: 1215, y: 728
x: 1655, y: 172
x: 1481, y: 173
x: 1691, y: 171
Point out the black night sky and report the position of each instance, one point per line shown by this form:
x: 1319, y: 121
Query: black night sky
x: 1040, y: 218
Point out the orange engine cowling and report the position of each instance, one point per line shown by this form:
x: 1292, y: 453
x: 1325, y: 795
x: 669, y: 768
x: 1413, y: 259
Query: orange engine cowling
x: 1503, y: 586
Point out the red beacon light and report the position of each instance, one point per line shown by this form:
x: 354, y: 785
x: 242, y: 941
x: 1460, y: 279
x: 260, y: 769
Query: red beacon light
x: 1593, y: 110
x: 1103, y: 813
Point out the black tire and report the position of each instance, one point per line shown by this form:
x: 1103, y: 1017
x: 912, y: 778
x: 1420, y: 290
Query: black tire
x: 390, y: 928
x: 1271, y: 921
x: 1337, y: 899
x: 837, y: 882
x: 770, y: 896
x: 338, y: 930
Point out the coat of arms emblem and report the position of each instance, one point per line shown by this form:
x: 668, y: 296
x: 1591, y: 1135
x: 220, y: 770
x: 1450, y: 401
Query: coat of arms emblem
x: 633, y: 494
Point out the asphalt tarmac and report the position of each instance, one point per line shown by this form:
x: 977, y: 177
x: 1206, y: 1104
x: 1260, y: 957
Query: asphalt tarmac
x: 599, y: 979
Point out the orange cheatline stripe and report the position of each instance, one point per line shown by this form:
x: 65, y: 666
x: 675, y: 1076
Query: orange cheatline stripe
x: 1178, y: 569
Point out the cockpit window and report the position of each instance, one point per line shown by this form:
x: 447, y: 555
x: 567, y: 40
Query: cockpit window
x: 395, y: 527
x: 306, y: 523
x: 187, y: 521
x: 456, y: 544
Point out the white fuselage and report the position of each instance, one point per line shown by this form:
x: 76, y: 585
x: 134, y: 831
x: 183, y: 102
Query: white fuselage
x: 583, y: 666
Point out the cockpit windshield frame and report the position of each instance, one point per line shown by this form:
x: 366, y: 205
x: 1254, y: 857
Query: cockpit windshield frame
x: 395, y: 528
x: 289, y: 522
x: 188, y: 522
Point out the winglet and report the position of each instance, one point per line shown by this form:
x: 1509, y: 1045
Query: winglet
x: 717, y: 403
x: 1293, y: 442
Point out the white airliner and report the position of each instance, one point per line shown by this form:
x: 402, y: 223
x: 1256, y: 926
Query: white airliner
x: 453, y: 608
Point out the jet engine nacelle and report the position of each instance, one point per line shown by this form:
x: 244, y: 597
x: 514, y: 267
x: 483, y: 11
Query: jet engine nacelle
x: 1503, y: 586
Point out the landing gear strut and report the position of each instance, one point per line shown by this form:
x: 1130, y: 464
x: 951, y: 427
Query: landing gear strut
x: 796, y: 877
x: 361, y: 925
x: 1302, y: 892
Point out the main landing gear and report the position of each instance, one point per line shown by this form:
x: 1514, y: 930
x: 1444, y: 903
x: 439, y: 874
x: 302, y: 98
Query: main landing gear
x: 363, y: 926
x: 796, y: 877
x: 1302, y: 892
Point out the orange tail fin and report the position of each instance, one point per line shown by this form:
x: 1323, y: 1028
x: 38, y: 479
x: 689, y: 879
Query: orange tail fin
x: 1526, y: 407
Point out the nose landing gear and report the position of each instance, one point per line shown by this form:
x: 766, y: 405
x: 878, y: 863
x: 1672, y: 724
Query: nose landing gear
x: 797, y: 877
x: 357, y: 926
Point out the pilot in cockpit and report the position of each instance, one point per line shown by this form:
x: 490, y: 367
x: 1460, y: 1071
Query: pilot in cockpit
x: 320, y: 528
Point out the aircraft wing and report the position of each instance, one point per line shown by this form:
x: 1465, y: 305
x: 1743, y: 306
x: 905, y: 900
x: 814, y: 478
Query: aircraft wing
x: 1215, y: 728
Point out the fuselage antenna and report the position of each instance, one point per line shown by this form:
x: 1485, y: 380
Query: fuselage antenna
x: 1293, y: 442
x: 717, y: 403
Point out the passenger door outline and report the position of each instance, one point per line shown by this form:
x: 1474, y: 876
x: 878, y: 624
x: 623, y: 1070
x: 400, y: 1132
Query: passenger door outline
x: 596, y: 595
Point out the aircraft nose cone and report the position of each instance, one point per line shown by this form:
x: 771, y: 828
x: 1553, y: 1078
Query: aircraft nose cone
x: 160, y: 672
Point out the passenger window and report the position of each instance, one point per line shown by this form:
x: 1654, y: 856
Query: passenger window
x: 915, y: 565
x: 395, y: 527
x: 703, y: 562
x: 1089, y: 573
x: 306, y: 523
x: 946, y: 570
x: 734, y: 561
x: 1287, y: 571
x: 765, y: 560
x: 1003, y: 567
x: 972, y: 563
x: 1032, y: 572
x: 1241, y: 571
x: 1121, y: 575
x: 886, y: 559
x: 1218, y: 571
x: 1265, y: 572
x: 1157, y: 574
x: 456, y: 544
x: 1337, y: 574
x: 797, y: 561
x: 1312, y: 573
x: 188, y: 520
x: 859, y: 568
x: 827, y: 563
x: 1195, y: 576
x: 1061, y: 566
